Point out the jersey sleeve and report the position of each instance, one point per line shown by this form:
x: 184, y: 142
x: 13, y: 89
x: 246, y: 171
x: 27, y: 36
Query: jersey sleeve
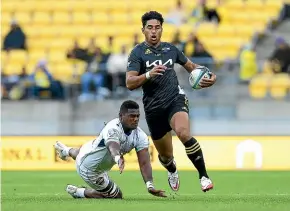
x: 111, y: 134
x: 142, y: 142
x: 134, y: 61
x: 181, y: 58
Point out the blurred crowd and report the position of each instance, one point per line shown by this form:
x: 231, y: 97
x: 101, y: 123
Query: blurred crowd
x: 104, y: 74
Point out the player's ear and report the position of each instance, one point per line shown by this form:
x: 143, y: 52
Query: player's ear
x: 142, y: 29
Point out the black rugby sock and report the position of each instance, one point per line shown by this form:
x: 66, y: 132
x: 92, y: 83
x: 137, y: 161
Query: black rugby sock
x: 194, y: 153
x: 170, y: 165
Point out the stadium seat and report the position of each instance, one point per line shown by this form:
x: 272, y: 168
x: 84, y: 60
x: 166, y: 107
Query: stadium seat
x: 61, y: 17
x: 100, y: 18
x: 23, y: 18
x: 42, y: 18
x: 18, y: 56
x: 81, y: 18
x: 279, y: 86
x: 258, y: 86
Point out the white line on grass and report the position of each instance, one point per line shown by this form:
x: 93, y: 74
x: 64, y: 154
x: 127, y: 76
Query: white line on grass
x: 177, y: 195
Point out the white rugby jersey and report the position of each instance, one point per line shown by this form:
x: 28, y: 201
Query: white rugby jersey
x: 95, y: 156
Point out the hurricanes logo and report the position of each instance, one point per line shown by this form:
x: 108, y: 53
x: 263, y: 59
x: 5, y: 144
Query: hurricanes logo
x: 148, y: 51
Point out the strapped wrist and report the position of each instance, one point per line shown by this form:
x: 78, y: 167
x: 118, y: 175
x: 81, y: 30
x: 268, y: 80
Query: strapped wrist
x: 149, y: 184
x: 147, y: 75
x: 117, y: 158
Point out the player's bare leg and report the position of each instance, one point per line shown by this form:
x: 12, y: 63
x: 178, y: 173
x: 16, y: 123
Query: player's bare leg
x: 76, y: 192
x: 165, y: 155
x: 180, y: 124
x: 64, y: 151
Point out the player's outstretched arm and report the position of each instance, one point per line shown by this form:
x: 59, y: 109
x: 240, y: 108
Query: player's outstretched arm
x: 114, y: 148
x: 146, y: 171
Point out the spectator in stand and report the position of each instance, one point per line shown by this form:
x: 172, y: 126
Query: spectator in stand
x: 15, y: 39
x: 110, y: 46
x: 92, y: 48
x: 16, y: 86
x: 117, y: 65
x: 190, y: 44
x: 248, y: 64
x: 202, y: 56
x: 177, y: 15
x: 43, y: 80
x: 136, y: 39
x: 94, y: 76
x: 176, y: 41
x: 280, y: 58
x: 202, y: 13
x: 78, y: 53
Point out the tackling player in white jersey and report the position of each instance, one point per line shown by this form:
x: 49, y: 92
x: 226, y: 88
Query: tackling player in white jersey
x: 95, y: 158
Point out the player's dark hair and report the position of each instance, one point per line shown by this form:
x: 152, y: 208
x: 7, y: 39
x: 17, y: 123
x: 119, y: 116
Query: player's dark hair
x: 150, y: 16
x: 128, y: 104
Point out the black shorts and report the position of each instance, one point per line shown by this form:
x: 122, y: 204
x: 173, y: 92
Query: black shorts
x: 159, y: 121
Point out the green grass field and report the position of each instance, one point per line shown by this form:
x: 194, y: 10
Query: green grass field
x: 238, y: 191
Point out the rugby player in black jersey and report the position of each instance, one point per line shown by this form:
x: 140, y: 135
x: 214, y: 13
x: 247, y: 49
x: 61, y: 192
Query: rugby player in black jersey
x: 150, y: 66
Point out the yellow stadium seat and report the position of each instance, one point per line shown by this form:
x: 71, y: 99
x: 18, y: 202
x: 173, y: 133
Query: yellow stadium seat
x: 258, y: 86
x: 33, y: 32
x: 42, y: 18
x: 81, y: 18
x: 17, y: 56
x: 57, y: 57
x: 80, y: 6
x: 48, y: 32
x: 6, y: 18
x: 245, y: 31
x: 38, y: 43
x: 121, y: 19
x: 185, y: 30
x: 61, y: 18
x: 254, y: 5
x: 100, y: 18
x: 4, y: 58
x: 13, y: 69
x: 135, y: 17
x: 25, y: 6
x: 22, y: 18
x: 60, y: 6
x: 42, y: 6
x: 8, y: 6
x: 206, y: 29
x: 120, y: 7
x: 226, y: 30
x: 99, y: 6
x: 37, y: 55
x: 279, y: 86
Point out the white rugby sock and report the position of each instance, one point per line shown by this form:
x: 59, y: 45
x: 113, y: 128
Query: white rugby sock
x: 80, y: 192
x: 66, y: 151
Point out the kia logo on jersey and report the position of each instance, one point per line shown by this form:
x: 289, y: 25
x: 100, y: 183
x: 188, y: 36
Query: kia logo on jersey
x: 158, y: 62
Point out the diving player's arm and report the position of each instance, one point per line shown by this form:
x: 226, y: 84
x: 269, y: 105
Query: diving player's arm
x: 145, y: 165
x: 112, y: 142
x: 114, y: 148
x: 146, y: 171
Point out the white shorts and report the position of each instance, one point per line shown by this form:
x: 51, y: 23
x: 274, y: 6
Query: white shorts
x: 99, y: 181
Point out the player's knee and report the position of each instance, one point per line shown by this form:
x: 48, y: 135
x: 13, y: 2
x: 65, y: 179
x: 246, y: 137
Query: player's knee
x: 183, y: 134
x: 119, y: 195
x: 165, y: 159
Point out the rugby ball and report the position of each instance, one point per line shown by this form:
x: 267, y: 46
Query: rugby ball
x: 196, y: 75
